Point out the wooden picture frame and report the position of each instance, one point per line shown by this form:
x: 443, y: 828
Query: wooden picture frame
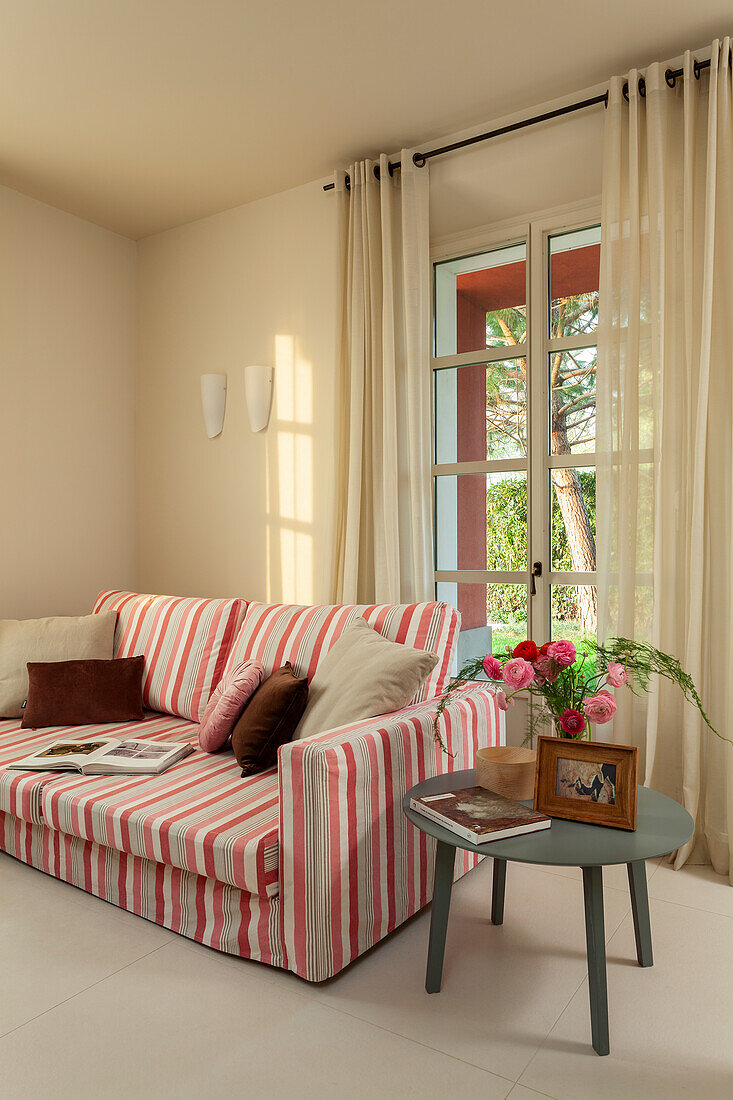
x: 588, y: 781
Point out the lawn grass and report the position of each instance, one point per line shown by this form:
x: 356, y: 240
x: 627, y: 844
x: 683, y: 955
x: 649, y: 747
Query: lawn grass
x: 505, y: 636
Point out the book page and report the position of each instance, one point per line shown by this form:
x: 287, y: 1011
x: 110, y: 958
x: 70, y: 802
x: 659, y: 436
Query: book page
x: 140, y: 752
x: 71, y: 753
x: 136, y: 757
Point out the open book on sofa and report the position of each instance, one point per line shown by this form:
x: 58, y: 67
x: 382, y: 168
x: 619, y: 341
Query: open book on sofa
x: 108, y: 756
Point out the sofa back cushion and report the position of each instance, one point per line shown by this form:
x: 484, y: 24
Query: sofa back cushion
x: 59, y: 638
x: 185, y: 643
x: 276, y: 633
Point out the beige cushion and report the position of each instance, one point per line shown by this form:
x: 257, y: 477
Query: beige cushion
x: 363, y: 675
x: 61, y: 638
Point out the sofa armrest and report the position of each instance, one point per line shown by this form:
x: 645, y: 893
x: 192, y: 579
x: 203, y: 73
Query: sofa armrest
x: 352, y: 868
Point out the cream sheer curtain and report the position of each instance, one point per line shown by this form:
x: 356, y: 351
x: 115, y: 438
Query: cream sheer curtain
x: 665, y: 409
x: 384, y: 516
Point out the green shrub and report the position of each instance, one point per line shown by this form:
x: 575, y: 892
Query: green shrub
x: 506, y: 547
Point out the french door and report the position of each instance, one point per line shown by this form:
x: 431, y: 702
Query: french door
x: 514, y: 373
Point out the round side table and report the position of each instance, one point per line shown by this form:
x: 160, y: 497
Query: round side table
x: 662, y: 826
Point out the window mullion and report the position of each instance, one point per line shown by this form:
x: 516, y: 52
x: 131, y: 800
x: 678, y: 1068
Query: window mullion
x: 478, y: 358
x: 538, y: 478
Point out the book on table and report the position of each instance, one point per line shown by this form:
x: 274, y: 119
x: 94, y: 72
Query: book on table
x: 478, y: 815
x: 106, y: 756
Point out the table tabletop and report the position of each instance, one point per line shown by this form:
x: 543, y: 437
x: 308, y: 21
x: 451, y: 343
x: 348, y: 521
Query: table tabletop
x: 662, y: 826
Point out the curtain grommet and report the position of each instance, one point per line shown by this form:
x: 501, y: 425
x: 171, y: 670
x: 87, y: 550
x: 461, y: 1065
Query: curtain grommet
x: 418, y: 159
x: 696, y: 68
x: 670, y: 78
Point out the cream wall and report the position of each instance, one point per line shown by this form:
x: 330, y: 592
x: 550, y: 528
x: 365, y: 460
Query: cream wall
x: 67, y: 377
x: 241, y: 514
x: 253, y: 514
x: 539, y: 168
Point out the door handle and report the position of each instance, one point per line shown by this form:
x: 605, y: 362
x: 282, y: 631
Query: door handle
x: 536, y: 571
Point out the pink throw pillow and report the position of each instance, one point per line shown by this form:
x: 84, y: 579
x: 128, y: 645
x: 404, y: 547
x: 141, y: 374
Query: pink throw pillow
x: 227, y: 702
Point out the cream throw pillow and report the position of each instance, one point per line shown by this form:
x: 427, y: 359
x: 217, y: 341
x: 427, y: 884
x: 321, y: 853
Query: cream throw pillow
x: 363, y: 675
x: 61, y: 638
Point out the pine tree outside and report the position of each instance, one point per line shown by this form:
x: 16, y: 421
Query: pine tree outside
x: 573, y: 491
x: 489, y: 448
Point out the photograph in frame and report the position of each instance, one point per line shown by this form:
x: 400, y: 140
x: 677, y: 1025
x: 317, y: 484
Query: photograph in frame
x: 589, y: 781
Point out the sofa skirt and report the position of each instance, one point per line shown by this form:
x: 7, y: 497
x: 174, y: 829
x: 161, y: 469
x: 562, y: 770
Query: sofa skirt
x: 203, y: 909
x: 211, y: 912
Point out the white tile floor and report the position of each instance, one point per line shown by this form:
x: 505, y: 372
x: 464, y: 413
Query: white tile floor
x: 97, y: 1003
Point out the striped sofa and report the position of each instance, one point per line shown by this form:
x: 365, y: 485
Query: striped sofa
x: 304, y: 866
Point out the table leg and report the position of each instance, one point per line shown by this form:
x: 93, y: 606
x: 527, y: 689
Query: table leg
x: 640, y: 908
x: 595, y: 939
x: 444, y: 860
x: 497, y: 891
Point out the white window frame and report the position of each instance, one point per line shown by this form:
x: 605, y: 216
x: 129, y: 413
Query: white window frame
x: 535, y: 231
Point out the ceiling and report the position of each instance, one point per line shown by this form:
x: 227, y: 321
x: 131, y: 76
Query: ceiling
x: 146, y: 114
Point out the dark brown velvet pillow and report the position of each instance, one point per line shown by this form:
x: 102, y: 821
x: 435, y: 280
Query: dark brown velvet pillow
x: 269, y: 720
x: 84, y: 693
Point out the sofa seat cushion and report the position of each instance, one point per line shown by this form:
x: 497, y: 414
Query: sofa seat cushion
x: 185, y: 643
x: 20, y: 792
x: 276, y: 633
x: 200, y: 815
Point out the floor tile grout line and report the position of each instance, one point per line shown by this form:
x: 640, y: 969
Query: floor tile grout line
x: 573, y: 878
x: 80, y: 992
x: 610, y: 938
x: 585, y: 979
x: 440, y: 1050
x: 417, y: 1042
x: 529, y: 1088
x: 574, y: 994
x: 557, y: 1021
x: 549, y: 1033
x: 691, y: 908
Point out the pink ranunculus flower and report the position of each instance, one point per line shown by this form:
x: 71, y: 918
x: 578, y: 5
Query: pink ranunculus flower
x: 517, y: 673
x: 503, y: 702
x: 492, y: 667
x: 600, y: 708
x: 563, y: 652
x: 572, y: 722
x: 616, y: 674
x: 545, y: 669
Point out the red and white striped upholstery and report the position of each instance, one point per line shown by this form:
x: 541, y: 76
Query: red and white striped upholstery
x: 305, y: 866
x: 276, y: 633
x: 185, y: 643
x: 200, y: 908
x: 20, y: 792
x: 200, y: 815
x: 352, y: 868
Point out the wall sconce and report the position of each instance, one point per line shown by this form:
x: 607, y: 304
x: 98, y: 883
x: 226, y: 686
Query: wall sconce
x: 258, y: 392
x: 213, y: 402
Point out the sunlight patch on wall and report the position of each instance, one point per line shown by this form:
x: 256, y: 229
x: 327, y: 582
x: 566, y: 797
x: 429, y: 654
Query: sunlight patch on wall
x: 290, y: 477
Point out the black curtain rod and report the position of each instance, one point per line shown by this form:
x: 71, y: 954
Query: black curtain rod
x: 420, y: 159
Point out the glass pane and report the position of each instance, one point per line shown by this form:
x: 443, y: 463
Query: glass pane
x: 574, y: 617
x: 573, y: 495
x: 481, y: 301
x: 573, y: 401
x: 481, y: 521
x: 494, y: 616
x: 574, y: 267
x: 481, y: 412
